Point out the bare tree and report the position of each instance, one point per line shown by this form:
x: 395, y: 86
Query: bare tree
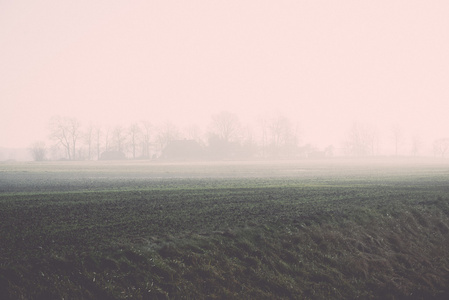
x: 107, y: 139
x: 283, y: 137
x: 193, y: 132
x: 119, y: 138
x: 292, y: 139
x: 74, y: 132
x: 398, y: 137
x: 416, y: 144
x: 97, y: 137
x: 65, y: 131
x: 263, y: 122
x: 225, y: 126
x: 249, y: 144
x: 56, y: 151
x: 362, y: 140
x: 167, y: 133
x: 279, y: 128
x: 38, y: 151
x: 59, y: 133
x: 88, y: 137
x: 146, y: 138
x: 441, y: 147
x: 134, y: 132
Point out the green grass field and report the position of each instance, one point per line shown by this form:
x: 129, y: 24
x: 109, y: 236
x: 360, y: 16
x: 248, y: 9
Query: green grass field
x: 255, y: 230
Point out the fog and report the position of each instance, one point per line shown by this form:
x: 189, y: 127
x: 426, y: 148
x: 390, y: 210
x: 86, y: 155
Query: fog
x: 330, y: 68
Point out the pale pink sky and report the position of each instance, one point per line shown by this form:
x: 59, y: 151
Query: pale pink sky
x: 323, y: 64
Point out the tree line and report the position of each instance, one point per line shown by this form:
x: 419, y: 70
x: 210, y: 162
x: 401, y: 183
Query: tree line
x: 226, y: 137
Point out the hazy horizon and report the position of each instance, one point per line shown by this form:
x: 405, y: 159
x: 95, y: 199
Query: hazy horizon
x: 322, y: 64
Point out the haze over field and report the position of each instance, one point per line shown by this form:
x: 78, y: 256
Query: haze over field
x: 250, y: 149
x: 322, y: 64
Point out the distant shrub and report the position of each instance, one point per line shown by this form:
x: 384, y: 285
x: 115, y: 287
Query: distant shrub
x: 112, y: 155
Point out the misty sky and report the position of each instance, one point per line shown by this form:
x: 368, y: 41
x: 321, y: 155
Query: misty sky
x: 323, y: 64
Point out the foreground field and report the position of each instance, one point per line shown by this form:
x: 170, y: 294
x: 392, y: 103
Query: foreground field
x: 142, y: 230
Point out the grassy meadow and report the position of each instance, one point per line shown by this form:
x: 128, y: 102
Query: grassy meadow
x: 332, y: 229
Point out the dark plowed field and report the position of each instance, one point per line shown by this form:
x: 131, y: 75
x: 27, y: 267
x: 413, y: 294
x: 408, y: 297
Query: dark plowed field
x: 144, y: 230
